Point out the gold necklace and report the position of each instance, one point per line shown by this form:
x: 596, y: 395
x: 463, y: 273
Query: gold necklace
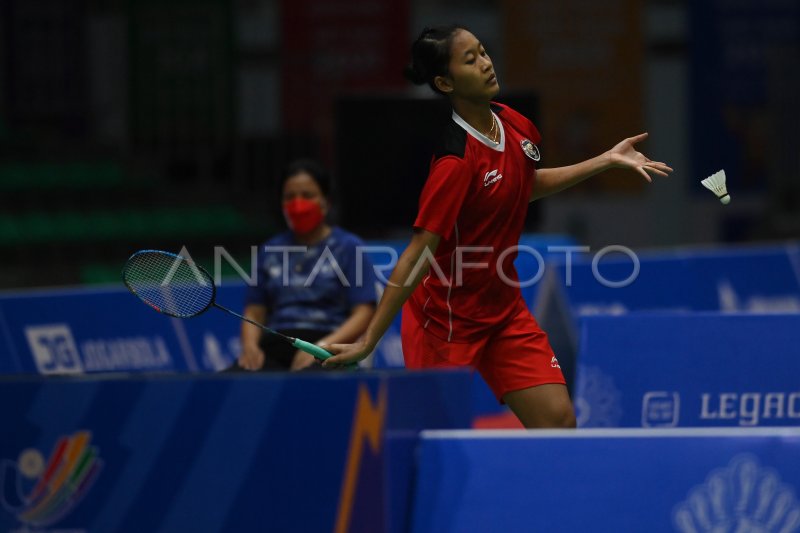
x: 493, y: 136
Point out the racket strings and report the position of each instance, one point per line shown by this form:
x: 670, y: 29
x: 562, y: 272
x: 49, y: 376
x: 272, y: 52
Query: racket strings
x: 169, y: 283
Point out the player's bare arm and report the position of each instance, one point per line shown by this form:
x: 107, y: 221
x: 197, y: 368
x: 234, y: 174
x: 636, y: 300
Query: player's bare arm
x: 404, y: 279
x: 623, y: 155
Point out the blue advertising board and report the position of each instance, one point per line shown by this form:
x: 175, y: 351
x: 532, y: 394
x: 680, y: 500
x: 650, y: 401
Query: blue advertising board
x: 700, y: 369
x: 85, y: 331
x: 685, y: 481
x: 757, y: 279
x: 616, y: 281
x: 211, y: 453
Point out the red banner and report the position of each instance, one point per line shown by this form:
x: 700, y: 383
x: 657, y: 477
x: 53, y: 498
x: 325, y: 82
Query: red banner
x: 333, y: 46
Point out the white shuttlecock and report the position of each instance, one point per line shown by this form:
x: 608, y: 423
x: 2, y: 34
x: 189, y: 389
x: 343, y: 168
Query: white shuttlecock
x: 716, y: 184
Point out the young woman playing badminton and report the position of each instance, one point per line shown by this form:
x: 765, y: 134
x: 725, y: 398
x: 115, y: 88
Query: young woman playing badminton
x: 463, y: 308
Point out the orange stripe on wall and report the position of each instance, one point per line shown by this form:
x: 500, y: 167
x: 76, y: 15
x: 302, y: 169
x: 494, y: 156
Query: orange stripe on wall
x: 368, y: 423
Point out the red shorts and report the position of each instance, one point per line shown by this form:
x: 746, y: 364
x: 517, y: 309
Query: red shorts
x: 512, y: 357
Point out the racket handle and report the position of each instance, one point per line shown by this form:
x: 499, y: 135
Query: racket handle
x: 313, y: 349
x: 316, y: 351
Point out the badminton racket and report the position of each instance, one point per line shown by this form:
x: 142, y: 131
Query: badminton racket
x: 177, y: 287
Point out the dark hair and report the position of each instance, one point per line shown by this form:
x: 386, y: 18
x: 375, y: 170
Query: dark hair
x: 430, y: 55
x: 312, y: 168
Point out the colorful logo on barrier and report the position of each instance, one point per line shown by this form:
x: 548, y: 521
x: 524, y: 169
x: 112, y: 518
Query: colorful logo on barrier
x: 39, y: 493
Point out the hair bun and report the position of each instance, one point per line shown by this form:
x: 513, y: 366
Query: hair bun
x: 412, y: 73
x: 430, y: 55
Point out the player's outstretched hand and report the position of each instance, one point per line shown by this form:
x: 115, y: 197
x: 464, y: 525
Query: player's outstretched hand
x: 624, y: 155
x: 345, y: 354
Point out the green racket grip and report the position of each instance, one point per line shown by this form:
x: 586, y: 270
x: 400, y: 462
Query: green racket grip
x: 316, y: 351
x: 313, y: 349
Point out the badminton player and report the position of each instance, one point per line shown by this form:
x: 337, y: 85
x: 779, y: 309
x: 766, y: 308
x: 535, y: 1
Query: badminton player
x: 471, y: 210
x: 311, y: 301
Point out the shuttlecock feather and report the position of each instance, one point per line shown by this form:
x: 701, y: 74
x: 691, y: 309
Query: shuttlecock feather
x: 716, y: 184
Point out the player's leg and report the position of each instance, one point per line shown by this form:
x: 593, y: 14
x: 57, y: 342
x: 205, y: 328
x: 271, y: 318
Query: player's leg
x: 521, y: 369
x: 543, y: 406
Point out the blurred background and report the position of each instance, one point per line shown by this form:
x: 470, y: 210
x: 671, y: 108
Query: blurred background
x: 128, y: 124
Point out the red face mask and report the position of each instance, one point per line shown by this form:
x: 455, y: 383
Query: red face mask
x: 302, y: 215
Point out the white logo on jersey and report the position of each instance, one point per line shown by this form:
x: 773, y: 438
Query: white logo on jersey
x: 491, y: 177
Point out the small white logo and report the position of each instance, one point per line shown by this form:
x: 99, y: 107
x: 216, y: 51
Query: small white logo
x: 530, y: 149
x: 661, y: 409
x: 53, y: 349
x: 491, y: 177
x: 744, y: 496
x: 597, y: 400
x: 554, y: 363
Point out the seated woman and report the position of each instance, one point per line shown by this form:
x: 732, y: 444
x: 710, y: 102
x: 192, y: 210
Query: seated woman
x: 308, y: 282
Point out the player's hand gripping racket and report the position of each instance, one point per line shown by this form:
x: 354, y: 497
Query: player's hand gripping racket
x: 177, y: 287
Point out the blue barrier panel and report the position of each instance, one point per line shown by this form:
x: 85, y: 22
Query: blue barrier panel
x: 213, y: 453
x: 686, y: 480
x: 701, y: 369
x: 760, y: 279
x: 757, y: 279
x: 77, y: 331
x: 400, y: 467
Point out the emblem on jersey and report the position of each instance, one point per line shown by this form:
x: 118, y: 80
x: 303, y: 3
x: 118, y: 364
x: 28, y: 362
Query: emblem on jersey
x: 491, y: 177
x: 530, y: 149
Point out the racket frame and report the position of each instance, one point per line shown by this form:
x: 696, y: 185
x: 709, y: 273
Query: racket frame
x: 312, y: 349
